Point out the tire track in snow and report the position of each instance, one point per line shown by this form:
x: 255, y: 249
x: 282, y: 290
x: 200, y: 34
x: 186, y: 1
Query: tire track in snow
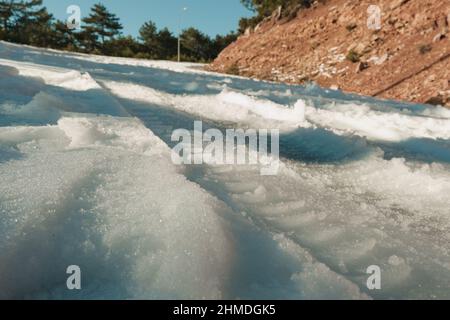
x: 162, y: 122
x: 346, y: 247
x: 51, y: 237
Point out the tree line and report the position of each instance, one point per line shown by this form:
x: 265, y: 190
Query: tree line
x: 29, y: 22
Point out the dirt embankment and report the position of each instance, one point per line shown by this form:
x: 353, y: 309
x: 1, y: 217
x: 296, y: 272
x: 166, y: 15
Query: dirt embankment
x: 340, y: 44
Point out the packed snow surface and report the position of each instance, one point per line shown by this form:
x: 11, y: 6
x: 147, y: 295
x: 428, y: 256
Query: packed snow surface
x: 86, y: 179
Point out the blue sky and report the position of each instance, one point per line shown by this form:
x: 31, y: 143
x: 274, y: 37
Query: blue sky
x: 210, y: 16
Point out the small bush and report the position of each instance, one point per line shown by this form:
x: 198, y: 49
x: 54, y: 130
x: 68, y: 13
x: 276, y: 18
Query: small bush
x: 351, y: 27
x: 353, y: 56
x: 245, y: 23
x: 315, y: 45
x: 233, y: 69
x: 144, y: 55
x: 425, y: 48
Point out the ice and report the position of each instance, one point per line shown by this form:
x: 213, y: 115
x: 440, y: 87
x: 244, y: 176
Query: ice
x: 342, y: 119
x: 31, y: 96
x: 107, y: 198
x: 86, y: 178
x: 99, y: 191
x: 130, y: 135
x: 228, y: 105
x: 377, y: 125
x: 266, y: 109
x: 59, y: 77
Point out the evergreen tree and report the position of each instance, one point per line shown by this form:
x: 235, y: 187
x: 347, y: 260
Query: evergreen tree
x: 264, y: 8
x: 196, y: 45
x: 17, y: 15
x: 221, y: 42
x: 168, y: 44
x: 157, y: 44
x: 28, y: 22
x: 63, y: 37
x: 122, y: 47
x: 36, y: 28
x: 148, y: 34
x: 7, y: 11
x: 87, y: 41
x: 102, y: 24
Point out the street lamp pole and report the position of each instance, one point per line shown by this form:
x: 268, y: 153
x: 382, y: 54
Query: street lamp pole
x: 179, y: 48
x: 179, y: 34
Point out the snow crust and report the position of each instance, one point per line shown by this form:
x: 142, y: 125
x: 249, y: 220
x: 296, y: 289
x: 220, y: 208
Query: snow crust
x: 86, y: 178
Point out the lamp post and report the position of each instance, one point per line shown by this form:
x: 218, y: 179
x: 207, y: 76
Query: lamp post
x: 179, y: 34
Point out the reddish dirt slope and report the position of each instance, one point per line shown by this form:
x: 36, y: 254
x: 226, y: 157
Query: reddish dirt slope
x: 407, y: 59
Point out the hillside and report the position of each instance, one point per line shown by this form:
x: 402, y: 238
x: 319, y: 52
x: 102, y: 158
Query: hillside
x: 407, y: 59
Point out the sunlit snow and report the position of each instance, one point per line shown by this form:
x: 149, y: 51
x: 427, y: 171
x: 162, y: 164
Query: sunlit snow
x: 86, y: 178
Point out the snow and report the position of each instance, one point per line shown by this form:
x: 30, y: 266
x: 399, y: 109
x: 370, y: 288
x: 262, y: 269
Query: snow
x: 59, y: 77
x: 342, y: 119
x: 100, y: 191
x: 228, y: 106
x: 86, y: 178
x: 379, y: 125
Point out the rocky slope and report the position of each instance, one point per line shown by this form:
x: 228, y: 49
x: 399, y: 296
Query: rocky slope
x: 337, y: 44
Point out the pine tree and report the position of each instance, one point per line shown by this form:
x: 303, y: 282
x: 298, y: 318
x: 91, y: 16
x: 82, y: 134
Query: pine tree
x: 36, y: 28
x: 102, y: 24
x: 264, y: 8
x: 148, y: 34
x: 28, y: 22
x: 15, y: 12
x: 168, y: 44
x: 63, y: 37
x: 157, y: 44
x: 88, y: 40
x: 221, y: 42
x: 7, y: 10
x: 196, y: 45
x: 122, y: 47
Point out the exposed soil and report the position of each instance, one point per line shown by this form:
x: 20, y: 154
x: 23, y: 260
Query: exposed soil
x: 408, y: 58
